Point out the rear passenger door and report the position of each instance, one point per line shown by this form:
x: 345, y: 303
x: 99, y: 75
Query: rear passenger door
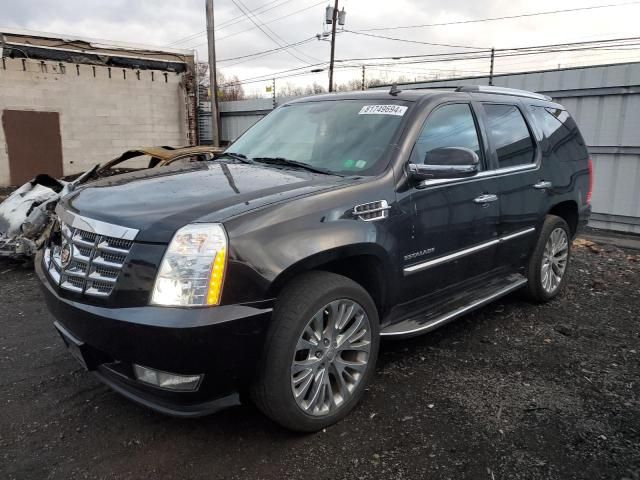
x: 520, y: 185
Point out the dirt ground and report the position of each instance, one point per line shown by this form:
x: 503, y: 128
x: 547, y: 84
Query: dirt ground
x: 512, y: 391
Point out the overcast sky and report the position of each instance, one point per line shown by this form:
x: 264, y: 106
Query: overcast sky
x: 160, y: 22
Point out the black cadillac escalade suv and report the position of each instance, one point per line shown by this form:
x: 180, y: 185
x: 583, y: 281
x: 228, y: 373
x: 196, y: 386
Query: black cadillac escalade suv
x: 274, y: 269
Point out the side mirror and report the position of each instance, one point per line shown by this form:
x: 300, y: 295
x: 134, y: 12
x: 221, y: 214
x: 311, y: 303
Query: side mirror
x: 446, y: 162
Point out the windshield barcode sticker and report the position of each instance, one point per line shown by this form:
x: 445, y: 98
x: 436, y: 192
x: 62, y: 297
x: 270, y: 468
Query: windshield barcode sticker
x: 383, y: 110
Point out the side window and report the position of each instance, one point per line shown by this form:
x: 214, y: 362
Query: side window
x: 551, y: 120
x: 561, y: 133
x: 509, y: 134
x: 448, y: 126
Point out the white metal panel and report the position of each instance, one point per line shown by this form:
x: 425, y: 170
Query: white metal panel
x: 616, y: 184
x: 233, y: 127
x: 630, y: 122
x: 246, y: 105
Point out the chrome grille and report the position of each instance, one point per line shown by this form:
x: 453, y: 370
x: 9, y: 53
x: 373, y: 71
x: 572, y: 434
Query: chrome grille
x: 95, y: 262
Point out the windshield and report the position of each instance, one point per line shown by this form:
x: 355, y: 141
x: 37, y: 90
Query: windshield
x: 348, y: 137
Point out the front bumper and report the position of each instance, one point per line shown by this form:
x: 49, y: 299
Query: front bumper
x: 222, y: 343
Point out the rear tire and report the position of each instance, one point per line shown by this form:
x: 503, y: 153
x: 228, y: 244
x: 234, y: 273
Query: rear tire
x: 547, y: 269
x: 306, y: 383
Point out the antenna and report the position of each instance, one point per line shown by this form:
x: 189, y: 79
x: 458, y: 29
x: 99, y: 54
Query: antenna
x: 394, y: 90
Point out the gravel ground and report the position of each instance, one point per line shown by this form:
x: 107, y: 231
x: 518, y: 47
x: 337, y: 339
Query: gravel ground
x: 512, y: 391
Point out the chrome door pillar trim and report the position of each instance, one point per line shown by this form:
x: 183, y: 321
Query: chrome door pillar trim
x: 467, y: 251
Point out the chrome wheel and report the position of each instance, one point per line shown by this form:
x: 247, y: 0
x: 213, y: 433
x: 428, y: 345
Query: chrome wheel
x: 331, y: 357
x: 554, y: 260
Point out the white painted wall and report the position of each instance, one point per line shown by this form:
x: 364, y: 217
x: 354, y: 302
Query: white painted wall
x: 100, y: 117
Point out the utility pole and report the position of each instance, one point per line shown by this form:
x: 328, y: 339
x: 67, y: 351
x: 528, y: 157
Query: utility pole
x: 213, y: 81
x: 493, y: 53
x: 363, y: 83
x: 273, y: 92
x: 333, y: 44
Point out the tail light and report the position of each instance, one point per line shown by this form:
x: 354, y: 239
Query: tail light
x: 590, y: 169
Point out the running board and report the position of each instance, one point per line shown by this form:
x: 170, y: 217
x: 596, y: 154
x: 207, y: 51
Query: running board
x: 432, y: 320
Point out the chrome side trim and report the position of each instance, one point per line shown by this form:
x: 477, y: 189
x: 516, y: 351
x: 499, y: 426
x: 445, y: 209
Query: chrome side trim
x: 95, y: 226
x: 448, y: 258
x: 467, y: 251
x: 526, y: 231
x: 460, y: 311
x: 499, y: 172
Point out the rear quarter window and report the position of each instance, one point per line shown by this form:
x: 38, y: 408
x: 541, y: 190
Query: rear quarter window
x: 562, y: 138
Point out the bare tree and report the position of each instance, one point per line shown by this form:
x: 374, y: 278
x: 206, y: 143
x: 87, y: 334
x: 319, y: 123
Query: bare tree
x: 374, y: 82
x: 289, y: 90
x: 233, y: 89
x: 229, y: 88
x: 314, y: 89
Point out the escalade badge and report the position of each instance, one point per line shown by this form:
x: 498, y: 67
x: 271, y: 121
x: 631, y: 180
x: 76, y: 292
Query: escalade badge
x: 65, y: 255
x: 421, y: 253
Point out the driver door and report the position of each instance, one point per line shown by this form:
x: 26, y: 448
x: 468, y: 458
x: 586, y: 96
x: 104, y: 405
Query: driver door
x: 455, y: 221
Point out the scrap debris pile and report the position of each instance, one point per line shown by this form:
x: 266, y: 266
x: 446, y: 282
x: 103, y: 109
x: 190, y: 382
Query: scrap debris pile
x: 27, y: 215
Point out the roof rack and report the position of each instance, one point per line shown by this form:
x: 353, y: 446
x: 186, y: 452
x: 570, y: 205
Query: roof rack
x: 437, y: 87
x: 502, y: 91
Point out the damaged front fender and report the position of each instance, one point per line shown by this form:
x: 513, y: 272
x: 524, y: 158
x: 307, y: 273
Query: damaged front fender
x: 25, y: 216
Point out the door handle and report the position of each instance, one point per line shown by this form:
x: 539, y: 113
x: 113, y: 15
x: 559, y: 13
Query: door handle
x: 543, y: 185
x: 486, y: 198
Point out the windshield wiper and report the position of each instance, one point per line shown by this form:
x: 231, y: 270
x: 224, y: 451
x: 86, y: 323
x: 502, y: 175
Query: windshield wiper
x: 293, y: 163
x: 236, y: 156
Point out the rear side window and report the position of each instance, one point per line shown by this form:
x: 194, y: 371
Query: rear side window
x: 509, y: 135
x: 550, y: 120
x: 562, y: 137
x: 448, y: 126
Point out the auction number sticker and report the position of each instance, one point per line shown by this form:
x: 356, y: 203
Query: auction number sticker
x: 397, y: 110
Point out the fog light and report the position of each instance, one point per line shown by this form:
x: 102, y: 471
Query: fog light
x: 170, y: 381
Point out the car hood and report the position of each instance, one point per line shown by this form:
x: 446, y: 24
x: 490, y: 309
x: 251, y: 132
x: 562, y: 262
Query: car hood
x: 159, y: 201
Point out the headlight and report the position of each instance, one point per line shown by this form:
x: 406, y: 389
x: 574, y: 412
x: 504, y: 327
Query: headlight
x: 192, y: 270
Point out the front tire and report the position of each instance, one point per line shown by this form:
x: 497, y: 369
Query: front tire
x: 548, y: 264
x: 320, y: 352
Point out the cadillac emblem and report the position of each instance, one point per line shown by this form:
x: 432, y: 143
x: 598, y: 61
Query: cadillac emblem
x: 65, y: 255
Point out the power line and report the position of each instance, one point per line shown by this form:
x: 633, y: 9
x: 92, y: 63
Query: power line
x: 268, y: 22
x: 279, y: 74
x: 231, y: 21
x: 266, y: 30
x: 262, y: 28
x: 459, y: 56
x: 506, y: 17
x: 585, y: 42
x: 414, y: 41
x: 468, y: 55
x: 270, y: 51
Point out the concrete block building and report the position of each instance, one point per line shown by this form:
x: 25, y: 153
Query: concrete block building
x: 69, y: 103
